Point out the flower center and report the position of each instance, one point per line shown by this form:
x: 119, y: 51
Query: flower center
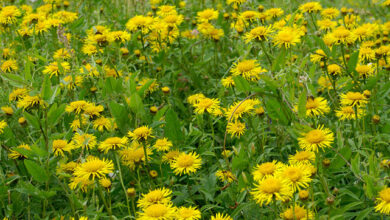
x: 293, y: 173
x: 185, y: 161
x: 245, y: 66
x: 315, y: 136
x: 156, y: 210
x: 267, y: 168
x: 271, y: 186
x: 385, y: 195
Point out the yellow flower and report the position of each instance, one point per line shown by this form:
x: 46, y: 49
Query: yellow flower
x: 192, y: 99
x: 15, y: 154
x: 207, y: 15
x: 238, y: 109
x: 158, y: 212
x: 310, y: 7
x: 225, y: 175
x: 316, y: 106
x: 139, y: 22
x: 112, y: 143
x: 105, y: 182
x: 30, y: 102
x: 274, y: 12
x: 170, y: 156
x: 9, y: 66
x: 59, y: 146
x: 206, y: 105
x: 296, y: 212
x: 341, y: 35
x: 102, y: 123
x: 260, y: 33
x: 330, y: 13
x: 9, y: 14
x: 157, y: 196
x: 367, y: 54
x: 271, y: 188
x: 287, y: 37
x: 54, y: 69
x: 235, y: 3
x: 297, y: 176
x: 63, y: 53
x: 7, y: 110
x: 92, y: 110
x: 334, y: 69
x: 365, y: 70
x: 265, y: 170
x: 249, y: 69
x: 162, y: 144
x: 348, y: 112
x: 353, y: 98
x: 383, y: 201
x: 17, y: 94
x: 326, y: 24
x: 316, y: 138
x: 166, y: 10
x: 318, y: 56
x: 76, y: 106
x: 228, y: 82
x: 134, y: 155
x: 87, y: 141
x: 140, y: 134
x: 235, y: 128
x: 94, y: 167
x: 188, y: 213
x: 186, y: 163
x: 302, y: 157
x: 221, y: 216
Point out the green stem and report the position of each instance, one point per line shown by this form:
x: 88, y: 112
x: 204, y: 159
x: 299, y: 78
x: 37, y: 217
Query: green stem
x: 122, y: 184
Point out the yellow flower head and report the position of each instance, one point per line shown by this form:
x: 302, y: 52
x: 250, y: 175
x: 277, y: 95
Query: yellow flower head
x: 249, y: 69
x: 112, y: 143
x: 265, y: 170
x: 296, y: 175
x: 271, y: 188
x: 383, y: 201
x: 353, y: 99
x: 316, y: 138
x: 186, y: 163
x: 94, y: 167
x: 59, y: 146
x: 157, y: 196
x: 316, y: 106
x: 162, y: 144
x: 141, y: 134
x: 296, y: 212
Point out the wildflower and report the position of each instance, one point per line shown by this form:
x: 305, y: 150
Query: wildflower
x: 87, y: 141
x: 383, y: 201
x: 238, y: 109
x: 225, y: 175
x: 365, y: 70
x: 92, y: 110
x: 249, y: 69
x: 105, y: 182
x: 316, y: 138
x: 297, y: 176
x: 206, y: 105
x: 59, y: 146
x: 76, y: 106
x: 17, y: 94
x: 28, y: 102
x: 170, y: 156
x: 318, y: 56
x: 228, y: 82
x: 270, y: 189
x: 316, y: 106
x: 9, y: 66
x: 162, y: 144
x: 9, y: 14
x: 139, y: 22
x: 326, y: 24
x: 195, y: 98
x: 207, y: 15
x: 265, y: 170
x: 341, y: 35
x: 287, y: 37
x: 141, y: 134
x: 220, y: 216
x: 260, y: 33
x: 186, y: 163
x: 367, y: 54
x: 302, y: 157
x: 274, y: 12
x: 235, y: 128
x: 134, y: 154
x: 54, y: 69
x: 112, y: 143
x: 188, y: 213
x: 94, y: 167
x: 7, y: 110
x: 157, y: 212
x: 62, y: 53
x: 353, y: 99
x: 296, y: 212
x: 310, y: 7
x: 157, y: 196
x: 15, y: 154
x: 102, y: 123
x: 348, y: 112
x: 334, y: 70
x: 330, y: 13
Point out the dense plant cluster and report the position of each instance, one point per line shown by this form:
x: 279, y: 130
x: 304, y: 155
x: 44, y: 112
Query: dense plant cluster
x: 187, y: 110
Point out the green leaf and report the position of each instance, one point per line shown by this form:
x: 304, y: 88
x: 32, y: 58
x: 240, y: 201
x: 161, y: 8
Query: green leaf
x: 302, y: 104
x: 36, y: 171
x: 142, y: 90
x: 242, y: 84
x: 275, y: 110
x: 352, y: 62
x: 280, y: 61
x: 356, y: 165
x: 172, y: 128
x: 46, y: 88
x: 136, y: 104
x: 120, y: 114
x: 55, y: 114
x: 32, y: 120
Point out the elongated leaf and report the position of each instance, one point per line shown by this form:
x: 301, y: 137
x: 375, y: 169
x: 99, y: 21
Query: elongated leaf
x: 36, y: 171
x: 172, y: 128
x: 302, y: 104
x: 32, y: 120
x: 242, y: 84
